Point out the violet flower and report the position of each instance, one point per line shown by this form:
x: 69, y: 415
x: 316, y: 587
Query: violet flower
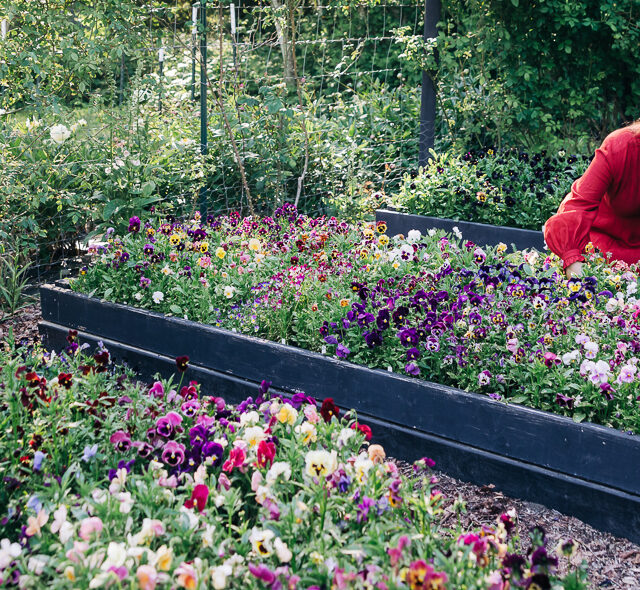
x: 38, y: 458
x: 342, y: 351
x: 121, y: 441
x: 173, y: 453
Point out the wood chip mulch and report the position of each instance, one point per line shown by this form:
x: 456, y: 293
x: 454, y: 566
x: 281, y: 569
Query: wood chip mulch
x: 613, y: 562
x: 24, y: 325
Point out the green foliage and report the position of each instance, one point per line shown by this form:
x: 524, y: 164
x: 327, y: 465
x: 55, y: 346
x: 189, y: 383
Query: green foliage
x: 13, y: 277
x: 544, y: 74
x: 512, y: 188
x: 63, y: 49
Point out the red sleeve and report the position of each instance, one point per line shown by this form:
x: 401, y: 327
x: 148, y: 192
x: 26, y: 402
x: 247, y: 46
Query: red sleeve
x: 567, y: 232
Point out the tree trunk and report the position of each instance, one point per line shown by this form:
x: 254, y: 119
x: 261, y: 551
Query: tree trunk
x: 281, y: 22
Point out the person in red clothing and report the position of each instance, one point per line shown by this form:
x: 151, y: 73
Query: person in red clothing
x: 603, y: 206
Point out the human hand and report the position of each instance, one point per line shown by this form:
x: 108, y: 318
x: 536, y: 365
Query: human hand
x: 574, y: 270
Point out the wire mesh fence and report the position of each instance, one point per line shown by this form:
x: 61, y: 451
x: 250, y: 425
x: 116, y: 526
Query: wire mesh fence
x: 309, y: 104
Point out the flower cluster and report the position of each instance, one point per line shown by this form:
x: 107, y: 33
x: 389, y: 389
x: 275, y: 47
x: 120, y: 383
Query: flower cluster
x: 507, y: 325
x: 114, y: 484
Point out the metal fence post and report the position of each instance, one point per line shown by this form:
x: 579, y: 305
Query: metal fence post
x: 194, y: 42
x: 121, y: 92
x: 203, y: 100
x: 432, y: 10
x: 160, y: 74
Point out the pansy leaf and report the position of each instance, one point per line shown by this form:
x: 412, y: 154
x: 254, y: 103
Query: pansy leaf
x: 176, y: 309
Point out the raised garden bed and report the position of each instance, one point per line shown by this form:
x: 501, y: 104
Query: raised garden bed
x: 584, y: 470
x: 479, y: 233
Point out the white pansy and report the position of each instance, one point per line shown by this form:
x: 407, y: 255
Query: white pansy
x: 32, y: 124
x: 414, y: 236
x: 611, y: 305
x: 116, y: 556
x: 36, y: 564
x: 249, y: 418
x: 229, y: 291
x: 344, y: 436
x: 261, y: 541
x: 219, y: 576
x: 362, y: 466
x: 66, y: 531
x: 282, y: 551
x: 569, y: 358
x: 590, y: 349
x: 321, y: 463
x: 278, y: 469
x: 157, y: 296
x: 253, y: 435
x: 119, y: 481
x: 126, y: 502
x: 8, y: 552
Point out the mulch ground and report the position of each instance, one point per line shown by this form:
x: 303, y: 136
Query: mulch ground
x: 613, y: 562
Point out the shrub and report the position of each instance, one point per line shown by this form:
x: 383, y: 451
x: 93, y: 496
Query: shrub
x: 511, y: 187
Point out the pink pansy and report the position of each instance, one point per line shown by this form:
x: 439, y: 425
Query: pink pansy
x: 627, y: 374
x: 187, y: 577
x: 173, y: 453
x: 190, y: 408
x: 157, y: 390
x: 256, y: 480
x: 147, y: 577
x: 236, y: 458
x: 224, y: 482
x: 35, y: 523
x: 311, y: 414
x: 262, y: 572
x: 205, y: 421
x: 395, y: 553
x: 551, y: 359
x: 167, y: 425
x: 168, y: 482
x: 198, y: 498
x: 512, y: 345
x: 121, y: 441
x: 495, y: 581
x: 122, y: 572
x: 76, y: 554
x: 89, y: 526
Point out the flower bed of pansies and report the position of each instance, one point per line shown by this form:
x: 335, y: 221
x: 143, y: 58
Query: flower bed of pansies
x: 435, y: 307
x: 111, y: 483
x: 510, y: 188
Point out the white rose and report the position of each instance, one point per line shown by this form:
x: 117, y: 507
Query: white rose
x: 59, y: 133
